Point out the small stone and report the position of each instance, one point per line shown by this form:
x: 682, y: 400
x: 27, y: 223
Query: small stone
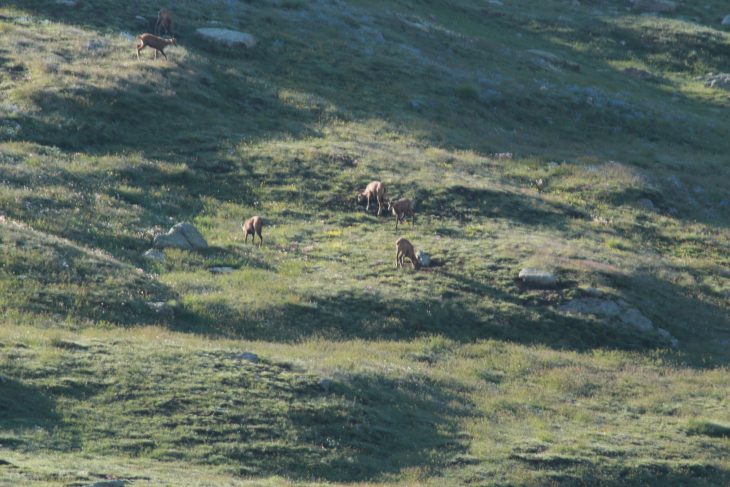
x: 66, y: 3
x: 725, y: 20
x: 423, y: 258
x: 155, y: 255
x: 221, y: 270
x: 325, y: 385
x: 140, y: 19
x: 247, y: 356
x: 160, y: 308
x: 538, y: 277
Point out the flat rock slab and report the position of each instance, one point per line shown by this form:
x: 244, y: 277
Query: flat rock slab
x: 226, y: 37
x: 538, y: 277
x: 181, y: 236
x: 719, y: 81
x: 248, y: 357
x: 221, y: 270
x: 423, y: 258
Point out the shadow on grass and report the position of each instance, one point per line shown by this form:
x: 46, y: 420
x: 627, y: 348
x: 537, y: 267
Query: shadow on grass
x: 24, y: 407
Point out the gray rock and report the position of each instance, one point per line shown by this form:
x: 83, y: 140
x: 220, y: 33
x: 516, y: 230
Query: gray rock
x: 181, y: 236
x: 140, y: 19
x: 725, y: 20
x: 155, y: 255
x: 109, y: 483
x: 226, y: 37
x: 654, y: 5
x: 634, y: 318
x: 550, y: 60
x: 325, y: 385
x: 415, y: 105
x: 160, y: 308
x: 720, y: 81
x: 247, y: 356
x: 66, y: 3
x: 646, y: 203
x: 423, y: 258
x: 593, y: 306
x: 221, y: 270
x: 668, y: 337
x: 537, y: 277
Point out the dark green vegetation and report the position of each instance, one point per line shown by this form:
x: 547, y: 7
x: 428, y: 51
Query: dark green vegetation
x: 455, y: 374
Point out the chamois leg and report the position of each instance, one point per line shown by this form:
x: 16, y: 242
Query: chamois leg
x: 163, y: 53
x: 261, y: 239
x: 139, y: 48
x: 397, y: 259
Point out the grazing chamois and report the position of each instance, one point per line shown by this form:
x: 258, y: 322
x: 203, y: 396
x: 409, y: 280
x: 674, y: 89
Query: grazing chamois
x: 164, y: 22
x: 400, y: 209
x: 252, y: 227
x: 373, y: 190
x: 156, y: 43
x: 404, y: 248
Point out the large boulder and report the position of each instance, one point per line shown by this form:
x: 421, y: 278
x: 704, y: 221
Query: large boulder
x: 622, y: 311
x: 538, y: 277
x: 226, y: 37
x: 181, y: 236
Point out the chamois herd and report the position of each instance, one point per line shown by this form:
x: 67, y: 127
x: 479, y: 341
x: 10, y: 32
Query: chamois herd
x: 374, y: 191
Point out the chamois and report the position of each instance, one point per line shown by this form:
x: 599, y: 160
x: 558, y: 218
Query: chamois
x: 404, y: 248
x: 164, y: 22
x: 400, y: 209
x: 156, y: 43
x: 252, y: 227
x: 373, y: 190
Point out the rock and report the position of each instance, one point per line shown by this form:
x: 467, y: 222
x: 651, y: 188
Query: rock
x: 549, y: 59
x: 155, y: 255
x: 140, y: 19
x: 415, y: 105
x: 325, y: 385
x: 423, y: 258
x: 221, y: 270
x: 247, y: 356
x: 657, y: 6
x: 721, y: 81
x: 639, y: 73
x: 160, y: 308
x: 633, y: 317
x: 226, y: 37
x: 725, y: 20
x: 538, y: 277
x: 66, y: 3
x: 646, y: 203
x: 181, y: 236
x: 109, y: 483
x: 668, y: 337
x: 593, y: 306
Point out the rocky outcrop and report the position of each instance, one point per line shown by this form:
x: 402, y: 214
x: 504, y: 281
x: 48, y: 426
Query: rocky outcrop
x: 181, y: 236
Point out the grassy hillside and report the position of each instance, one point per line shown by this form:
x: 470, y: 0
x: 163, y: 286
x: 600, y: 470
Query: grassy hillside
x: 456, y: 374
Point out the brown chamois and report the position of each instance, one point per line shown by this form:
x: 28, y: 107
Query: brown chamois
x: 252, y: 227
x: 373, y: 190
x: 400, y: 209
x: 404, y: 248
x: 164, y: 22
x: 156, y: 43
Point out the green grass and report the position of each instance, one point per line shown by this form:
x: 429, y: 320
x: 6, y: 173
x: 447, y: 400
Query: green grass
x: 457, y: 374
